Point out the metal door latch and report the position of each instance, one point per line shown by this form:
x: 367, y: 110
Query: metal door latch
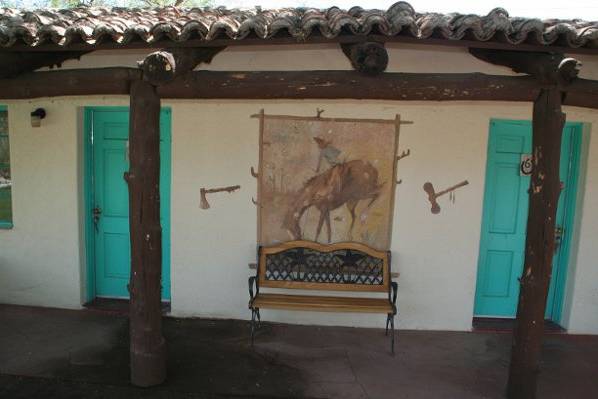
x: 96, y: 212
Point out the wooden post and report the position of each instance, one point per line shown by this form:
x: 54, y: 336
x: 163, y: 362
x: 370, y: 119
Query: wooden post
x: 147, y: 345
x: 548, y: 122
x: 557, y: 75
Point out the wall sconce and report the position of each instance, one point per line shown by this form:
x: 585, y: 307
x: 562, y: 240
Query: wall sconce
x: 37, y: 116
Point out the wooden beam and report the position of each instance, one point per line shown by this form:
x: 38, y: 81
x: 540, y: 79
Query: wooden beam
x: 548, y: 123
x: 370, y: 58
x: 147, y: 345
x: 16, y: 63
x: 165, y: 65
x: 386, y: 86
x: 350, y: 84
x: 69, y: 82
x: 298, y: 85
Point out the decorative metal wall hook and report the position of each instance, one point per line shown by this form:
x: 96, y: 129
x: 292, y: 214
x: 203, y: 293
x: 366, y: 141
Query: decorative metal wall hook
x: 255, y: 202
x: 319, y: 112
x: 399, y: 181
x: 404, y: 154
x: 254, y: 173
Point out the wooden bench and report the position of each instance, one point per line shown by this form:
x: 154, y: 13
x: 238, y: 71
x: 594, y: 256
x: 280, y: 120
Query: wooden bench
x: 306, y: 265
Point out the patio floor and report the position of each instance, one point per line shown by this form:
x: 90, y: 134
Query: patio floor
x: 53, y: 353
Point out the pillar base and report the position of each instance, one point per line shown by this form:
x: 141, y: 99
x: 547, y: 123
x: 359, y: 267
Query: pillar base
x: 149, y: 369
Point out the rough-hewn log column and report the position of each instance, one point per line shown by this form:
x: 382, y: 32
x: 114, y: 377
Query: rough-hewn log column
x: 556, y: 74
x: 147, y: 345
x: 548, y: 122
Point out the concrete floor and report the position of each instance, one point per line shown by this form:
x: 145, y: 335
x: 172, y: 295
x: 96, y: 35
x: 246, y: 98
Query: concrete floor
x: 71, y: 354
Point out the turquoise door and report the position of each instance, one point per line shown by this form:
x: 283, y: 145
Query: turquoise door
x: 109, y: 200
x: 502, y: 245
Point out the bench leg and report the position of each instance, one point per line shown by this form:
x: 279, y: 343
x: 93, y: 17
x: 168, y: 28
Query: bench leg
x: 253, y: 313
x: 392, y: 338
x: 259, y: 319
x: 387, y: 323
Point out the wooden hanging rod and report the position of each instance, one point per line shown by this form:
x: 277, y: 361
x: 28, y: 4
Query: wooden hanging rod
x: 320, y: 118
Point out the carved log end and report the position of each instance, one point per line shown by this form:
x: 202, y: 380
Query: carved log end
x: 568, y: 69
x: 159, y: 67
x: 370, y: 58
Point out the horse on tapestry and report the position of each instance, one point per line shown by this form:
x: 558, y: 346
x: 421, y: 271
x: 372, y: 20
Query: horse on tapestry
x: 345, y: 183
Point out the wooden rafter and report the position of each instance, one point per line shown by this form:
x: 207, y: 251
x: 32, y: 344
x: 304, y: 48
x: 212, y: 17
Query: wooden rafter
x: 546, y: 67
x: 16, y: 63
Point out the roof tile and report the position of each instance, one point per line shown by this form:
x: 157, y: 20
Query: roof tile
x: 123, y: 25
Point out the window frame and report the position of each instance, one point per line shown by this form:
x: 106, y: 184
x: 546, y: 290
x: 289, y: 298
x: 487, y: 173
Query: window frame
x: 5, y: 224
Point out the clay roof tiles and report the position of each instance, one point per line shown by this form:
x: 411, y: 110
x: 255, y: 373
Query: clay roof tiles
x: 123, y: 26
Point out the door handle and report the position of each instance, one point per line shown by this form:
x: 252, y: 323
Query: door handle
x: 96, y: 213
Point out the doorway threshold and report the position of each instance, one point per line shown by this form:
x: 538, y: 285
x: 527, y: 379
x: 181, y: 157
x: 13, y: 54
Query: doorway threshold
x: 504, y: 325
x: 118, y: 306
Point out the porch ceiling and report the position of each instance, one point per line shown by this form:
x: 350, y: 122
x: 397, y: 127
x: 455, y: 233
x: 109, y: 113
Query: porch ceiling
x: 95, y: 28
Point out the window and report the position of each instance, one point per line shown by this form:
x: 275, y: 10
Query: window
x: 5, y: 180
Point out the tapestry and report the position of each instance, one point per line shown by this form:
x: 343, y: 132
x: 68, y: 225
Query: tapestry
x: 326, y: 179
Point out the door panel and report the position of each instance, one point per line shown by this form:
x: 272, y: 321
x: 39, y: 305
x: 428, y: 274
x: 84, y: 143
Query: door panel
x: 497, y: 279
x: 111, y: 242
x: 504, y: 221
x: 504, y: 207
x: 506, y: 199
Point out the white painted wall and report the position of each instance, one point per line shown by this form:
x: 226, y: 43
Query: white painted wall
x: 215, y: 143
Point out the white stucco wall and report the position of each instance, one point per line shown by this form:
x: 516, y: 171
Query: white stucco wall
x: 214, y: 143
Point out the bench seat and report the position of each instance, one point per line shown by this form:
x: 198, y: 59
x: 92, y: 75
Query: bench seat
x: 322, y: 303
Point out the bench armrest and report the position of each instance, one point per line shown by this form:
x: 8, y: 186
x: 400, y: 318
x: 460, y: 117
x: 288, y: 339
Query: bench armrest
x: 395, y: 288
x: 253, y: 281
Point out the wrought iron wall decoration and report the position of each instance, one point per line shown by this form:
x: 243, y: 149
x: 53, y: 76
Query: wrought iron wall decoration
x: 399, y: 157
x: 527, y: 165
x: 433, y: 196
x: 326, y: 179
x: 204, y: 204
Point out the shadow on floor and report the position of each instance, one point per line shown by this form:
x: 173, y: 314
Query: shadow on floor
x: 53, y: 353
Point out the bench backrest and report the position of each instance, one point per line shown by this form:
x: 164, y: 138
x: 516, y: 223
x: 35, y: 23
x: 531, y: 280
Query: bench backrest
x: 333, y: 267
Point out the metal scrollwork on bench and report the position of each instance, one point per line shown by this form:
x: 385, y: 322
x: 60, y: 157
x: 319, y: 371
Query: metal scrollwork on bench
x: 311, y: 266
